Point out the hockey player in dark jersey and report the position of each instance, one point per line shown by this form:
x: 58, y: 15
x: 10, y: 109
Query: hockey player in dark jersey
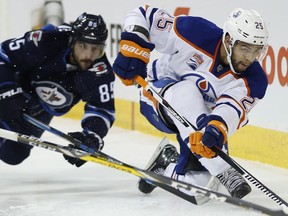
x: 48, y: 71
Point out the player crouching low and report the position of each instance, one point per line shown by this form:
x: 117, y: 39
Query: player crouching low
x: 211, y: 76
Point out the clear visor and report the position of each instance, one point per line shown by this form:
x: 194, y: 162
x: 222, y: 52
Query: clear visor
x: 98, y: 50
x: 97, y: 47
x: 257, y: 52
x: 263, y: 53
x: 84, y: 50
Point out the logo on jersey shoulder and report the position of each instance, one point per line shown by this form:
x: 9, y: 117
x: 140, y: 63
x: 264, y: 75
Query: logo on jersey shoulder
x: 195, y: 61
x: 99, y: 68
x: 53, y: 94
x: 36, y: 36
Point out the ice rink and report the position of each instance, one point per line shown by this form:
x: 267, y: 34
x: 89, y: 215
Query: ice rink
x: 45, y: 184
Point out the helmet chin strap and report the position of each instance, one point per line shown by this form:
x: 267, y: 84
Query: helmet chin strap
x: 229, y: 55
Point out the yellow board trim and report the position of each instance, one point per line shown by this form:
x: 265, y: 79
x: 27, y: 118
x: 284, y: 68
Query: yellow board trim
x: 252, y: 143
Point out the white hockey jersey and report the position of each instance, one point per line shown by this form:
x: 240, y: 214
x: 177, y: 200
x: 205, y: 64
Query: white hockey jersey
x: 190, y: 47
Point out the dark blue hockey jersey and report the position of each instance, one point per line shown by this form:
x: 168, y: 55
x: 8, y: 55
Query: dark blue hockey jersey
x: 38, y: 62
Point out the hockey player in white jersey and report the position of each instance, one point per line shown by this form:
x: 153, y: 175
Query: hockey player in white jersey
x: 211, y: 76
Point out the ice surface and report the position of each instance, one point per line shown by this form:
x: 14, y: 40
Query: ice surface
x: 46, y: 185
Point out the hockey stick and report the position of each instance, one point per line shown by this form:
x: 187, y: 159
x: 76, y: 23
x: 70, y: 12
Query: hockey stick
x: 77, y: 143
x: 218, y: 151
x: 52, y: 130
x: 158, y: 180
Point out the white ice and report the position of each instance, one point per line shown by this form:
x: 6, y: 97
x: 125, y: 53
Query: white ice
x: 45, y: 184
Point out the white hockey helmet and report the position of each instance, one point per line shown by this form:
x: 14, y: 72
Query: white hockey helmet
x: 247, y: 26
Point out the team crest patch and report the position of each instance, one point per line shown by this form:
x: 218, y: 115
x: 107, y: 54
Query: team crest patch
x: 195, y: 61
x: 53, y: 94
x: 99, y: 68
x: 206, y: 89
x: 36, y: 36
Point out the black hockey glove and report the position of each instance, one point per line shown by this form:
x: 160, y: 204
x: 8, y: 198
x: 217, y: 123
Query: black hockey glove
x: 12, y: 105
x: 90, y: 142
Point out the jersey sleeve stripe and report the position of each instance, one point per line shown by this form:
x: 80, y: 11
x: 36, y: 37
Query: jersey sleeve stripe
x: 236, y: 106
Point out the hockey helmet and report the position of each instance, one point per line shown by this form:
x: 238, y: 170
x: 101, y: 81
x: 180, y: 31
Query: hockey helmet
x: 89, y: 28
x: 247, y: 26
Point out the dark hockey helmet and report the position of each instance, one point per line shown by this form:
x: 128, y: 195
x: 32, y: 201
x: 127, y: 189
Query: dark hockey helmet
x: 89, y: 28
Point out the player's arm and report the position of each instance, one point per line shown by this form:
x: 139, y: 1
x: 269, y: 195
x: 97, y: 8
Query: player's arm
x: 96, y: 123
x: 230, y: 112
x: 144, y: 29
x: 98, y: 119
x: 12, y: 99
x: 33, y: 47
x: 228, y: 116
x: 153, y: 25
x: 96, y: 88
x: 12, y: 52
x: 235, y: 104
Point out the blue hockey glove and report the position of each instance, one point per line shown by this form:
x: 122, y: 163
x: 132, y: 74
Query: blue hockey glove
x: 215, y: 134
x: 90, y: 142
x: 12, y: 105
x: 133, y: 58
x: 215, y: 130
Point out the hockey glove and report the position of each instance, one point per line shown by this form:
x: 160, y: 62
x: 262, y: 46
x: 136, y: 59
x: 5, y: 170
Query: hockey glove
x: 90, y: 142
x: 197, y: 147
x: 12, y: 105
x: 133, y: 58
x: 215, y: 134
x: 74, y: 161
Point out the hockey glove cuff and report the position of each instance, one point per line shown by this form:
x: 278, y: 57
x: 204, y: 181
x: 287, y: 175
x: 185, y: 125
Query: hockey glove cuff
x: 215, y: 134
x: 133, y: 58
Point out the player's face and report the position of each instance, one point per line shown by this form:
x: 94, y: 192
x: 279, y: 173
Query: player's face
x: 243, y: 55
x: 85, y: 54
